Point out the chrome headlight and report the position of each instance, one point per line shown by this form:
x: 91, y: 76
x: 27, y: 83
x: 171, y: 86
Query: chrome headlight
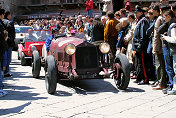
x: 104, y: 47
x: 70, y: 49
x: 33, y: 48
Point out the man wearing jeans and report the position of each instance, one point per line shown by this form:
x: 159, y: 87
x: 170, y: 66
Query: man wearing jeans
x: 171, y: 38
x: 169, y: 18
x: 89, y: 7
x: 170, y: 48
x: 2, y: 50
x: 158, y: 52
x: 10, y: 41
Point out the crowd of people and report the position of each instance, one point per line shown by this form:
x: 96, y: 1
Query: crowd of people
x: 146, y: 35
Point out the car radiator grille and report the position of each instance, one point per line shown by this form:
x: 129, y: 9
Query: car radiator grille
x: 86, y: 58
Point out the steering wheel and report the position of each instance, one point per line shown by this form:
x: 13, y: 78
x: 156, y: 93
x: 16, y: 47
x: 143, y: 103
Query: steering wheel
x: 30, y: 39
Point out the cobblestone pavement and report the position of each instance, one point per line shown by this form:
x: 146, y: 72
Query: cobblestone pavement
x: 27, y: 98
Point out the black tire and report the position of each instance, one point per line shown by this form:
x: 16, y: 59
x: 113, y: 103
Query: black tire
x: 18, y: 56
x: 23, y: 60
x: 121, y: 79
x: 36, y: 64
x: 50, y: 75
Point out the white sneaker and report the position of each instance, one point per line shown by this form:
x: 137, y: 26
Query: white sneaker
x: 172, y: 92
x: 3, y: 93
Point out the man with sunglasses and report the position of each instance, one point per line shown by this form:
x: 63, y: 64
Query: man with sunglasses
x: 153, y: 14
x: 150, y: 31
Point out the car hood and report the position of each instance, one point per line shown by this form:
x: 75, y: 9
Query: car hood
x: 62, y: 42
x: 37, y: 44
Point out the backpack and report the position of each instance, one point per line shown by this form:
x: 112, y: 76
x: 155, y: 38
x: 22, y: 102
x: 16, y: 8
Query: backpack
x: 172, y: 46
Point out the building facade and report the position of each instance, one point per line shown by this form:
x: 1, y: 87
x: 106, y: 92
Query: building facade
x: 9, y: 5
x: 50, y: 8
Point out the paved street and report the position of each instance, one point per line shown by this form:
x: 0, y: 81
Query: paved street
x: 27, y: 98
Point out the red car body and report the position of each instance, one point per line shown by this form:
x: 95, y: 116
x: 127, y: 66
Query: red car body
x: 83, y: 63
x: 72, y: 58
x: 27, y: 49
x: 24, y: 49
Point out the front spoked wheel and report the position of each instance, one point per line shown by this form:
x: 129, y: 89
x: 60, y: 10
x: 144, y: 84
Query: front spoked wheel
x: 50, y: 75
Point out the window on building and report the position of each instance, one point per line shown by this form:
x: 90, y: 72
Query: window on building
x: 35, y: 1
x: 69, y: 1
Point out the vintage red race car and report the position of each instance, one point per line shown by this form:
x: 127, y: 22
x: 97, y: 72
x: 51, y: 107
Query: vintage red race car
x: 31, y: 49
x: 73, y: 58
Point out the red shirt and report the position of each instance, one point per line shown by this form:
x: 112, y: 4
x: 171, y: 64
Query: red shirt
x: 89, y: 4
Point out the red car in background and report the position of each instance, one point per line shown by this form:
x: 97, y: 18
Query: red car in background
x: 30, y: 50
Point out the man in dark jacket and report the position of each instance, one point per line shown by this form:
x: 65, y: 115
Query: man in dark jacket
x: 10, y: 41
x: 139, y: 46
x: 2, y: 50
x: 2, y: 29
x: 152, y: 13
x: 98, y: 30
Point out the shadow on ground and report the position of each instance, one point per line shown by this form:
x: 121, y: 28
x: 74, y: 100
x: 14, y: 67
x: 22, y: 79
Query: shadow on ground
x: 17, y: 74
x: 18, y: 93
x: 132, y: 89
x: 15, y: 63
x: 85, y: 87
x: 13, y: 110
x: 21, y: 93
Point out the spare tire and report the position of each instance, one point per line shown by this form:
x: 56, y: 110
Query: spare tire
x: 121, y: 74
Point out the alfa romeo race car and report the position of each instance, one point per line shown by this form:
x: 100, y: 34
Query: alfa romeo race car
x: 74, y: 58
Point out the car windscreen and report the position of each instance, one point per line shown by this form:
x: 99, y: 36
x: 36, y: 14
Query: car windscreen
x: 37, y: 35
x: 22, y: 29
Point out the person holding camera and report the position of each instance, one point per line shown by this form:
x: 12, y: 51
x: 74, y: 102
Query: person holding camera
x: 165, y: 28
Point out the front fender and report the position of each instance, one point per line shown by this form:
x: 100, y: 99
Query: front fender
x: 44, y: 52
x: 20, y: 47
